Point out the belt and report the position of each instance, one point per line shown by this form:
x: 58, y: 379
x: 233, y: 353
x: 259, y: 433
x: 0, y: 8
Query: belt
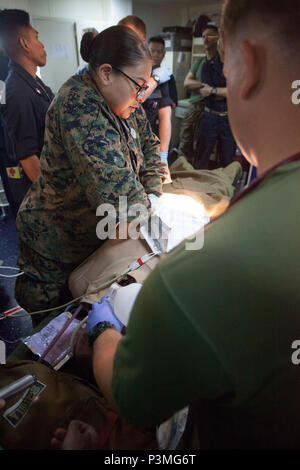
x: 217, y: 113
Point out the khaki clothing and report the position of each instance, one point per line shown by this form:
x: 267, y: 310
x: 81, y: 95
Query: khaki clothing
x: 190, y: 122
x: 214, y: 189
x: 188, y: 130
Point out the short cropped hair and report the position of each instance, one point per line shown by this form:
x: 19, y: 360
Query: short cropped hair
x: 10, y: 23
x: 281, y: 15
x: 212, y: 27
x: 157, y: 39
x: 136, y: 22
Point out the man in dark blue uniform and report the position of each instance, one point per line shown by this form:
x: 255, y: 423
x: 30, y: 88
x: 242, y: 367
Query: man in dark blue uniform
x: 4, y: 60
x: 27, y: 101
x: 214, y: 126
x: 158, y: 105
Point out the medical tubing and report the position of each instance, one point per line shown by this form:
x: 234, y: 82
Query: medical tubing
x: 132, y: 267
x: 11, y: 275
x: 29, y: 314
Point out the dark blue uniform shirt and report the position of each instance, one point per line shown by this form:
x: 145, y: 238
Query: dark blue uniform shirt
x: 212, y: 74
x: 23, y: 119
x: 164, y: 95
x: 27, y: 101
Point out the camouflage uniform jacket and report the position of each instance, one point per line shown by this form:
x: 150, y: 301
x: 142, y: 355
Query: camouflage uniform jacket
x: 90, y: 157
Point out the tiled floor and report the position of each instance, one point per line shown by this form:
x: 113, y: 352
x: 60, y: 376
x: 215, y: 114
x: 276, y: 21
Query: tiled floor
x: 11, y: 329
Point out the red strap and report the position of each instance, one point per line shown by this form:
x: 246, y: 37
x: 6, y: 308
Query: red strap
x: 13, y: 310
x: 140, y: 262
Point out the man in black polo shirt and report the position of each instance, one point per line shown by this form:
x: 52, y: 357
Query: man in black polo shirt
x: 27, y: 101
x: 214, y: 126
x: 159, y: 105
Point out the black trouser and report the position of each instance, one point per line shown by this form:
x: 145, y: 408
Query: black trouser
x: 214, y: 129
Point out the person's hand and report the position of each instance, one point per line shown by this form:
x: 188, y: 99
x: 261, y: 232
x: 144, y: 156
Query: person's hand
x: 102, y: 312
x: 205, y: 90
x: 2, y: 403
x: 78, y: 436
x: 162, y: 73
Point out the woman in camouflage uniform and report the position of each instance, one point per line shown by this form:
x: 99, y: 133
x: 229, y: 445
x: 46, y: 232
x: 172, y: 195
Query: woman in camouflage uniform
x: 98, y: 146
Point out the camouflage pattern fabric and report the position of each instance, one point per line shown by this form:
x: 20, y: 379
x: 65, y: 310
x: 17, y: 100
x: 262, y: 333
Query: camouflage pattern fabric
x: 46, y: 287
x: 188, y: 131
x: 90, y: 157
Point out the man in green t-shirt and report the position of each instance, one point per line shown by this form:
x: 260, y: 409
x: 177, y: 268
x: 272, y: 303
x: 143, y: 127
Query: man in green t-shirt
x: 193, y: 83
x: 215, y: 329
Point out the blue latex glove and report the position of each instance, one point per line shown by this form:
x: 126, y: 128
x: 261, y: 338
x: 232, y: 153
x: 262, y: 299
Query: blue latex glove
x: 154, y: 200
x: 162, y: 73
x: 153, y: 197
x: 164, y: 157
x: 102, y: 312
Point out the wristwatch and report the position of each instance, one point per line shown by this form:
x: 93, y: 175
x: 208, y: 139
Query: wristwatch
x: 156, y: 78
x: 214, y: 91
x: 98, y: 329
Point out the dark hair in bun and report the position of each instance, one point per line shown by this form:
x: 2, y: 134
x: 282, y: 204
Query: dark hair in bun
x: 85, y: 45
x: 118, y: 46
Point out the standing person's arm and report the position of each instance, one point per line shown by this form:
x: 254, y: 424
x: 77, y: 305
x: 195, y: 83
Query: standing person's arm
x: 191, y: 83
x: 164, y: 118
x: 153, y: 170
x: 165, y: 128
x: 164, y: 76
x: 22, y: 125
x: 206, y: 91
x: 31, y: 167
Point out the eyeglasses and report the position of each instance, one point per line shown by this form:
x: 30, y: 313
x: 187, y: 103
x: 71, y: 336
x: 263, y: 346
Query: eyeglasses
x: 141, y: 88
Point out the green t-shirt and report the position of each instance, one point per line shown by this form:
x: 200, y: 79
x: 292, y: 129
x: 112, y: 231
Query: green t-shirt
x: 196, y: 70
x: 213, y: 328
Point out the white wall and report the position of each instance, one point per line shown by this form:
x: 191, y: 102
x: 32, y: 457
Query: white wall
x: 108, y: 11
x: 71, y: 16
x: 21, y: 4
x: 158, y: 15
x: 119, y: 9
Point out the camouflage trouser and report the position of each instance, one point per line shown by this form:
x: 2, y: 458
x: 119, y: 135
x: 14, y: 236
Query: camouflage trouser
x: 45, y: 286
x: 188, y: 131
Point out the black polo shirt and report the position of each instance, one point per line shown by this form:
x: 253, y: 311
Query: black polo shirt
x: 23, y: 125
x: 3, y: 67
x: 164, y: 95
x: 212, y: 74
x: 27, y: 101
